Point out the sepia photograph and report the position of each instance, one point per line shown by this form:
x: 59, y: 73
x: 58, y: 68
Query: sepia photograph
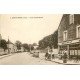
x: 39, y: 39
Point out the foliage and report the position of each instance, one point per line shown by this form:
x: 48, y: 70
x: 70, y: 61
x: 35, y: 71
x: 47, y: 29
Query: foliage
x: 25, y: 46
x: 3, y: 44
x: 31, y: 47
x: 51, y: 41
x: 18, y: 44
x: 34, y: 44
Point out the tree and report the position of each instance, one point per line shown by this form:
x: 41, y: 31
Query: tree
x: 55, y: 39
x: 51, y: 40
x: 34, y: 44
x: 25, y: 46
x: 3, y: 44
x: 31, y: 47
x: 18, y: 44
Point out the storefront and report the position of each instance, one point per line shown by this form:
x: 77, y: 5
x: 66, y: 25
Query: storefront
x: 73, y: 50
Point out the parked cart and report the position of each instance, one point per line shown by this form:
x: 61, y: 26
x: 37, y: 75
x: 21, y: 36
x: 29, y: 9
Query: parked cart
x: 36, y: 54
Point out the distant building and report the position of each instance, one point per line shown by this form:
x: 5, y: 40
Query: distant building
x: 69, y: 34
x: 11, y: 47
x: 22, y: 49
x: 35, y: 46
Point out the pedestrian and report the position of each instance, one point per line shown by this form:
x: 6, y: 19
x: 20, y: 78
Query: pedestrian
x: 38, y: 54
x: 51, y: 52
x: 46, y: 55
x: 65, y: 56
x: 49, y: 55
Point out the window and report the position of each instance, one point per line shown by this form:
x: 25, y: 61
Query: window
x: 72, y: 52
x: 78, y: 31
x: 78, y: 52
x: 71, y: 18
x: 64, y: 35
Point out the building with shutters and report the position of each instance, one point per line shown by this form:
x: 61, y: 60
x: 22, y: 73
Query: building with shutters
x: 69, y: 34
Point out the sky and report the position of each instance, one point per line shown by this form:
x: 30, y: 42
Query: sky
x: 28, y: 28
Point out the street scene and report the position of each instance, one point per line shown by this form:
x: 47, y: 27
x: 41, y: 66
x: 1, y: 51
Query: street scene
x: 24, y: 59
x: 39, y: 39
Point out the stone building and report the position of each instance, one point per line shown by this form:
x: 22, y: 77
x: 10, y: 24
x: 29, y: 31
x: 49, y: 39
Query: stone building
x: 11, y: 47
x: 69, y: 34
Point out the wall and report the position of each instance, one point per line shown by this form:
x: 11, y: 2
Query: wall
x: 63, y: 26
x: 71, y: 28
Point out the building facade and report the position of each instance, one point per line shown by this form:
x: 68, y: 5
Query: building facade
x: 35, y: 47
x: 69, y: 34
x: 22, y: 49
x: 11, y: 48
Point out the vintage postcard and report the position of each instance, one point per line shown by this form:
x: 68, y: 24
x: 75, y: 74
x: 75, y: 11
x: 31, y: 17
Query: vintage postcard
x: 43, y: 39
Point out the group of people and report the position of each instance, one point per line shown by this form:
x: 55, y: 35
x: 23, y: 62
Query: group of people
x: 49, y: 55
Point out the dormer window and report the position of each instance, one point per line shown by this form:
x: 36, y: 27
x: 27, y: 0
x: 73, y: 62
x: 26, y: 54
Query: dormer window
x: 71, y: 18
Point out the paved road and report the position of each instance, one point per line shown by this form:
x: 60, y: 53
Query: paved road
x: 24, y: 59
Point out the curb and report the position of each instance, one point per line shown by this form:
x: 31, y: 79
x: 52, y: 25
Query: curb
x: 5, y: 56
x: 57, y: 62
x: 65, y: 63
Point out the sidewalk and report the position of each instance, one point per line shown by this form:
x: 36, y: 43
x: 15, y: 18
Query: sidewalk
x: 72, y: 62
x: 3, y: 56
